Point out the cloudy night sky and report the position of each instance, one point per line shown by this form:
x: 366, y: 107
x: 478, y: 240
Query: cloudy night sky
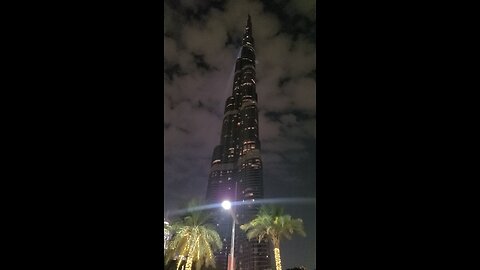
x: 201, y: 42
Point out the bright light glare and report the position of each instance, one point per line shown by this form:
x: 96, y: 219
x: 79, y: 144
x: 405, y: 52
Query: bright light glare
x: 226, y: 205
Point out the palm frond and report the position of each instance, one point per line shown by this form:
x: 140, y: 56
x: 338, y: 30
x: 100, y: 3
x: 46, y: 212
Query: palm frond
x: 271, y: 222
x: 193, y: 237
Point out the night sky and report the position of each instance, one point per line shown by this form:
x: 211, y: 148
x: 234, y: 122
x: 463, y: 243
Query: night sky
x: 202, y: 40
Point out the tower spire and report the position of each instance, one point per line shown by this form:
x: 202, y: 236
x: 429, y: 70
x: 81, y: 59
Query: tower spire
x: 248, y: 35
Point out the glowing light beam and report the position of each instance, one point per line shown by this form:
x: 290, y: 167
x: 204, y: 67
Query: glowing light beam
x: 249, y: 202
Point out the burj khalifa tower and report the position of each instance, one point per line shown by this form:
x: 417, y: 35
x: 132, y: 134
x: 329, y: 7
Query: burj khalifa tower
x: 236, y: 168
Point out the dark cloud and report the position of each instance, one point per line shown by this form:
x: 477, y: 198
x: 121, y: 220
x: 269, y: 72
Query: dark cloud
x: 201, y: 41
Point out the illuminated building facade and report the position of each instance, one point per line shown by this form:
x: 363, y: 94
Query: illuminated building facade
x: 236, y: 168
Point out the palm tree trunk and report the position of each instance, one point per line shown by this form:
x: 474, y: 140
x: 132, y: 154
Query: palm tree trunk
x: 189, y: 263
x: 188, y: 266
x: 180, y: 258
x: 276, y: 251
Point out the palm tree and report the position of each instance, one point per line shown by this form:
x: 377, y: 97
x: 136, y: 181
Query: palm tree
x: 272, y: 224
x: 194, y: 240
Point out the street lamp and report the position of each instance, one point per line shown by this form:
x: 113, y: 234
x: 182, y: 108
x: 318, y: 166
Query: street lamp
x: 227, y: 205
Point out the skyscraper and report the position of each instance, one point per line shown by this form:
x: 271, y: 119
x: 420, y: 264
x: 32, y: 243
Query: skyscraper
x: 236, y: 168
